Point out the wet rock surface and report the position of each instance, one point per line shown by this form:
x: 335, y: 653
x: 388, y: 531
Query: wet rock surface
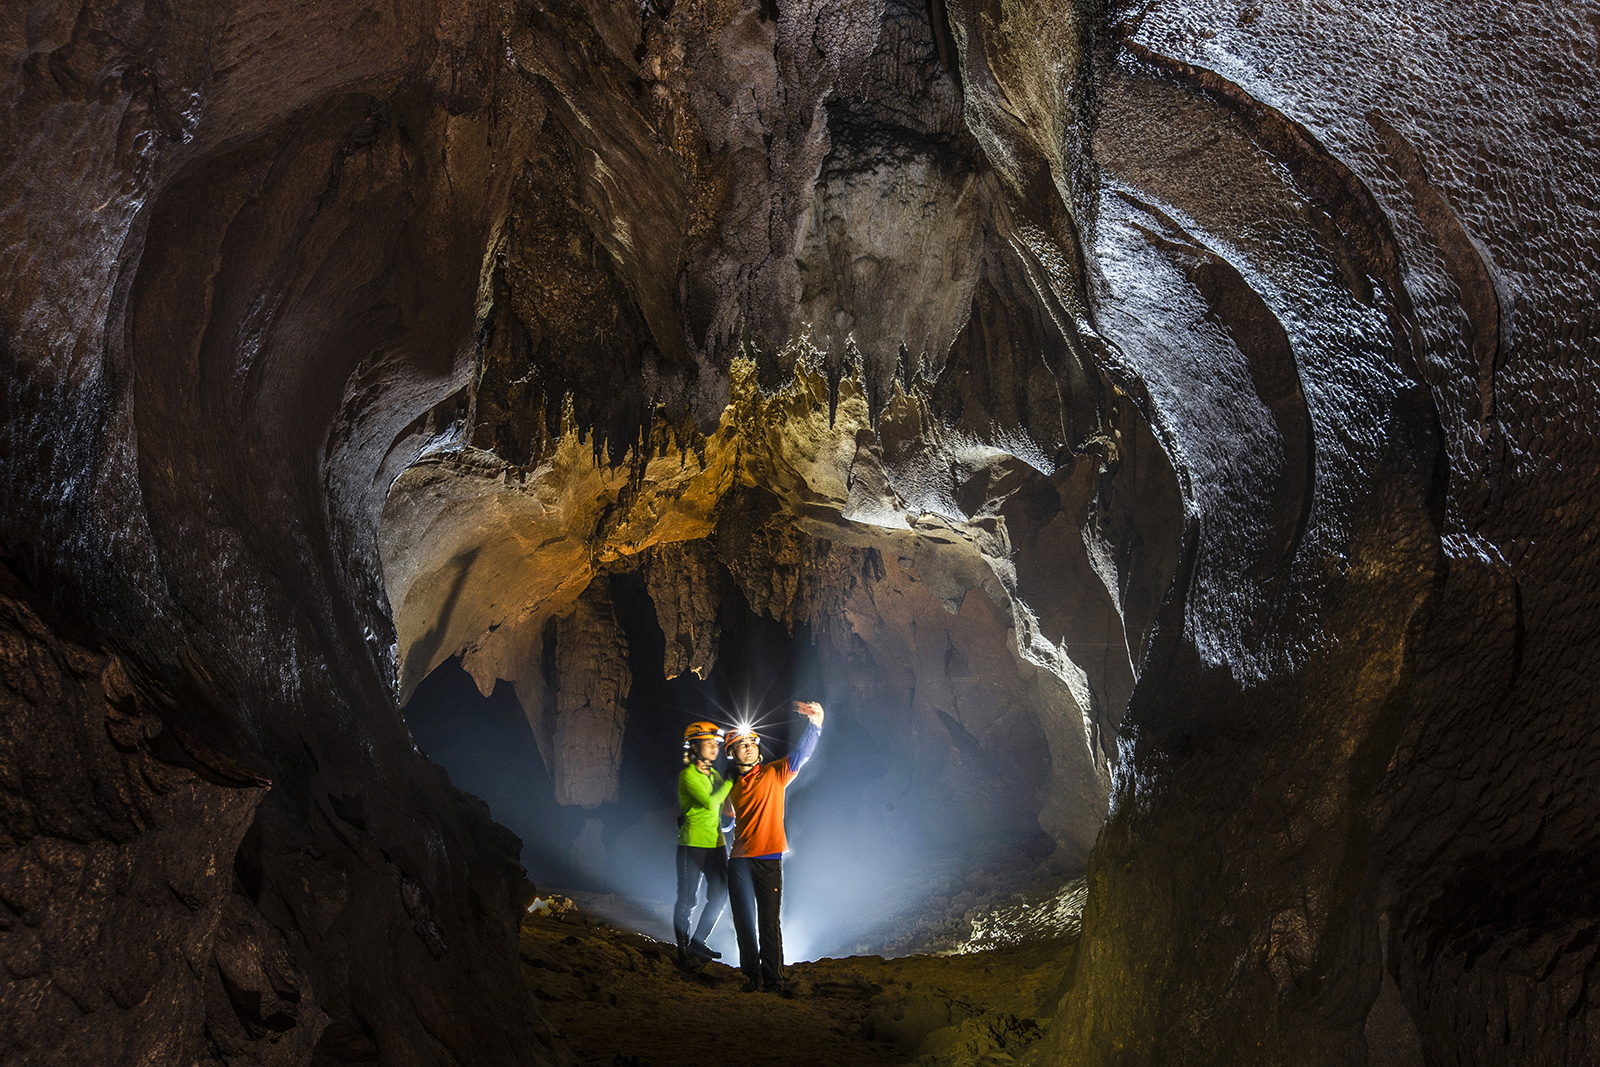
x: 1219, y: 375
x: 125, y: 935
x: 1239, y: 82
x: 206, y: 333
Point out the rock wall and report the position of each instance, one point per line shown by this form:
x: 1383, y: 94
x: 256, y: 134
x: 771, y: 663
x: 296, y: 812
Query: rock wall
x: 126, y: 936
x: 1241, y: 355
x: 243, y: 252
x: 1353, y: 802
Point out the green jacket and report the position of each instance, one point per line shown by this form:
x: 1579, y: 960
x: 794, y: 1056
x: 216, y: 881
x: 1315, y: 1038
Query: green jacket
x: 700, y: 799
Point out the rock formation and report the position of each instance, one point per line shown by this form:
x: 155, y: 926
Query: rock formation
x: 1196, y: 397
x: 120, y: 837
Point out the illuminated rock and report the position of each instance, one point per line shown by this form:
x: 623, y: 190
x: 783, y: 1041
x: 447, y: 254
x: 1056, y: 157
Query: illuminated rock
x: 798, y: 509
x: 1197, y: 397
x: 687, y: 584
x: 581, y: 734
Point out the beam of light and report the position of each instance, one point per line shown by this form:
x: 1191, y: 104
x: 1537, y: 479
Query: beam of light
x: 875, y: 840
x: 744, y: 719
x: 752, y: 710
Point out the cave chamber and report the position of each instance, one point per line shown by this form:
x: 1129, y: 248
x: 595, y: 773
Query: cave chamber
x: 1162, y: 432
x: 979, y: 724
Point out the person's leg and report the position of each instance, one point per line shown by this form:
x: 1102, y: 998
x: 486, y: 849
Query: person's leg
x: 716, y: 872
x: 767, y: 879
x: 688, y: 890
x: 742, y: 899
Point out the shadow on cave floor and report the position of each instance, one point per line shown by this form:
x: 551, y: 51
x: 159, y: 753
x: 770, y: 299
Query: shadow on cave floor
x: 614, y: 997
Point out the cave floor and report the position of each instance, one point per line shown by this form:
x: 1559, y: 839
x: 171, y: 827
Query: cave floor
x: 615, y: 998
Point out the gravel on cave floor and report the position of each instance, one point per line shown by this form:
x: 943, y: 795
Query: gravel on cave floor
x: 615, y: 998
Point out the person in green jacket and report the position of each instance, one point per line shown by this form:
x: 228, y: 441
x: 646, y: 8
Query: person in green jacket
x: 702, y: 852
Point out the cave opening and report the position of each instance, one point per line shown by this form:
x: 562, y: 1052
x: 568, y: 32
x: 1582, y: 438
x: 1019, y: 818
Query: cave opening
x: 971, y: 611
x: 889, y: 852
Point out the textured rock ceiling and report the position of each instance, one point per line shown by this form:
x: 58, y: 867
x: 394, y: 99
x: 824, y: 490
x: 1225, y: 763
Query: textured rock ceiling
x: 993, y: 600
x: 1219, y: 376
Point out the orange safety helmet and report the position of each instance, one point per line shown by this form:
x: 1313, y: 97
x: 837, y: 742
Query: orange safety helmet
x: 700, y: 731
x: 737, y: 734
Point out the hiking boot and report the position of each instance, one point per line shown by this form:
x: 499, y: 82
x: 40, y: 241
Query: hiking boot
x: 751, y: 985
x: 699, y: 948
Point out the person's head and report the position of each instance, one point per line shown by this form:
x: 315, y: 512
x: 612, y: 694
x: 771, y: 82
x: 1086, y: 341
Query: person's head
x: 744, y: 747
x: 701, y: 741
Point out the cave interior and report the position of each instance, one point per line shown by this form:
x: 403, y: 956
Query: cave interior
x: 1161, y: 434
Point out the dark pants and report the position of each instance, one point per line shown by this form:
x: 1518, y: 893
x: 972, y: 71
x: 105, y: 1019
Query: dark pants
x: 755, y: 889
x: 695, y: 864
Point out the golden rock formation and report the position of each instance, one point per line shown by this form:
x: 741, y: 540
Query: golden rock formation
x: 794, y: 508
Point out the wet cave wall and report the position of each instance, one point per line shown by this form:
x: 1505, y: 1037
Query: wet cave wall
x: 1220, y: 374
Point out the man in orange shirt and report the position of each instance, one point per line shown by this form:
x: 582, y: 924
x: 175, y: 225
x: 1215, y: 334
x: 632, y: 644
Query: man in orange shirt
x: 755, y: 869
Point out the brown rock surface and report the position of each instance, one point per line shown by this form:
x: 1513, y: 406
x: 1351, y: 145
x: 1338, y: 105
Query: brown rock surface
x: 124, y: 932
x: 1199, y: 394
x: 583, y: 715
x: 236, y: 305
x: 687, y: 584
x: 613, y: 996
x: 1426, y: 217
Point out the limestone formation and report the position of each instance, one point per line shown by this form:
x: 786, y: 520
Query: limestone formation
x: 810, y: 517
x: 1195, y: 397
x: 687, y: 584
x: 581, y: 728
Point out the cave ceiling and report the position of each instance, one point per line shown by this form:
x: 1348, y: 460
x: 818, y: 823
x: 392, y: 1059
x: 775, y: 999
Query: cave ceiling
x: 1198, y: 396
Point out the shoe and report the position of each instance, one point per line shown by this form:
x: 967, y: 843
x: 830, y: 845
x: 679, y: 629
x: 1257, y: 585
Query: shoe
x: 778, y: 989
x: 699, y: 948
x: 751, y: 985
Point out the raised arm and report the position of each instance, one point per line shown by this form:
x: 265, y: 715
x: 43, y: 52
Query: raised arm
x: 808, y: 741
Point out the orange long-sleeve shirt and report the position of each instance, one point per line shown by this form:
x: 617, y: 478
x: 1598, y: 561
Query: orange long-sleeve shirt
x: 757, y: 802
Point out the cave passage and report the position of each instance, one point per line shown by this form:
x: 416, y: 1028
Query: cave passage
x: 881, y: 861
x: 1162, y: 434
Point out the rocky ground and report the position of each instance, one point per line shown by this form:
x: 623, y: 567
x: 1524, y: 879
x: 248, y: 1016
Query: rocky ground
x: 615, y: 997
x: 943, y: 907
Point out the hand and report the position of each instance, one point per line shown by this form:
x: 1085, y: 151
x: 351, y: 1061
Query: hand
x: 811, y: 710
